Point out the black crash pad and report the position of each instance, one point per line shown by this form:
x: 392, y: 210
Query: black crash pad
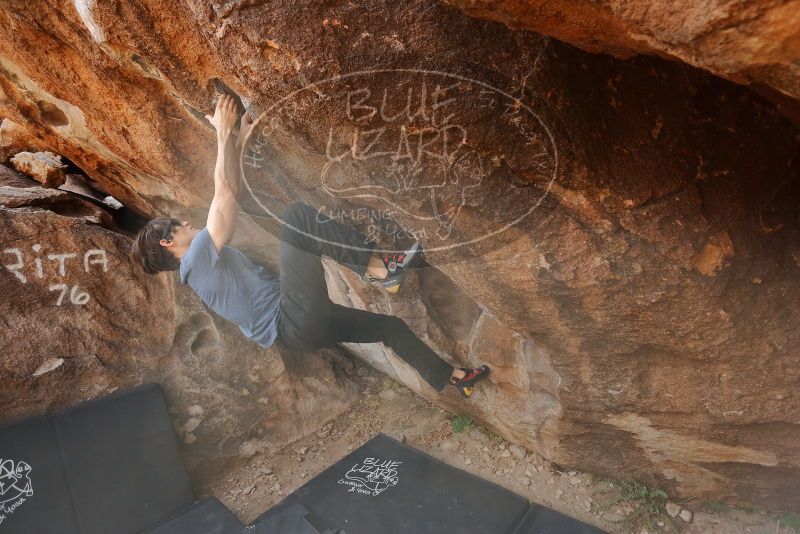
x: 34, y: 494
x: 205, y: 517
x: 109, y: 465
x: 290, y: 517
x: 388, y: 487
x: 122, y: 461
x: 542, y: 520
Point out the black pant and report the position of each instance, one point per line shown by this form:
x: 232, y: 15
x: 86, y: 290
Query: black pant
x: 309, y: 319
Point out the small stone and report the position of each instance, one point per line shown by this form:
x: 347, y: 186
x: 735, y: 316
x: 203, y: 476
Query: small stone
x: 387, y: 394
x: 50, y: 365
x: 44, y: 167
x: 526, y: 481
x: 518, y: 451
x: 265, y: 471
x: 189, y: 438
x: 250, y: 489
x: 672, y: 509
x: 540, y: 468
x: 686, y: 515
x: 660, y: 523
x: 195, y: 411
x: 575, y: 481
x: 572, y: 473
x: 502, y: 447
x: 486, y: 449
x: 302, y: 450
x: 450, y: 444
x: 192, y: 424
x: 468, y: 461
x: 112, y: 202
x: 505, y: 454
x: 276, y: 488
x: 559, y: 493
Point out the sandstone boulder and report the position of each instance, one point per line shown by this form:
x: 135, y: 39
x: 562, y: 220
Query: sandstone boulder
x: 617, y: 239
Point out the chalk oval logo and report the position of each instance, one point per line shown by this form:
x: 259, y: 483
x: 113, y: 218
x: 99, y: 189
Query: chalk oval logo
x: 404, y: 153
x: 15, y: 486
x: 373, y: 476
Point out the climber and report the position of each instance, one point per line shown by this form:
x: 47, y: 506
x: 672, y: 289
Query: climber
x: 295, y: 310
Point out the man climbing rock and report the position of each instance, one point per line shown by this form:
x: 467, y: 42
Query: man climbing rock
x: 295, y: 310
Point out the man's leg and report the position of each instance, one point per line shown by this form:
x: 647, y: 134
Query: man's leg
x: 305, y: 306
x: 359, y: 326
x: 313, y: 232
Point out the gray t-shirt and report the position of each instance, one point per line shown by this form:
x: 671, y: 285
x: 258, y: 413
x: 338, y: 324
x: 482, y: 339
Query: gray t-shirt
x: 234, y: 287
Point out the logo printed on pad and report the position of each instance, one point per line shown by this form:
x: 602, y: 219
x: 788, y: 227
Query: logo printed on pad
x: 372, y: 476
x: 15, y: 486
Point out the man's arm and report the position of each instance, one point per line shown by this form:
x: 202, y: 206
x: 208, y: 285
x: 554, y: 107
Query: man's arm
x: 222, y: 213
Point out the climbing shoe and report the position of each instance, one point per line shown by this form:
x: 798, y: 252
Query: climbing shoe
x: 397, y: 264
x: 466, y: 385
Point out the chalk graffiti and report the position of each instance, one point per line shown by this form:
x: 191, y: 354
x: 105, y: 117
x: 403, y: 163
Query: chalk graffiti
x: 379, y: 221
x: 426, y: 148
x: 372, y: 476
x: 76, y: 296
x: 432, y: 157
x: 93, y: 259
x: 15, y: 486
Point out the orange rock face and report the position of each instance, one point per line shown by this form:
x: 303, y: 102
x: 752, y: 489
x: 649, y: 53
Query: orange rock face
x: 619, y: 240
x: 751, y: 43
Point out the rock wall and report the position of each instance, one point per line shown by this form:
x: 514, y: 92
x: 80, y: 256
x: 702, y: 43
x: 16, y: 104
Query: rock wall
x: 747, y: 42
x: 618, y: 239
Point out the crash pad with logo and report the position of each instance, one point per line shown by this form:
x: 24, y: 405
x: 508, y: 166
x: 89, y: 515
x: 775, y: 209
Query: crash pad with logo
x: 106, y: 465
x: 386, y: 486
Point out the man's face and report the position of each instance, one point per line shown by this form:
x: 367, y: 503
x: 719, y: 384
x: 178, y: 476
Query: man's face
x: 182, y: 235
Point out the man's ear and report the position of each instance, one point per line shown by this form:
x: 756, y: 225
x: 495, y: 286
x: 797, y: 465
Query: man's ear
x: 165, y: 243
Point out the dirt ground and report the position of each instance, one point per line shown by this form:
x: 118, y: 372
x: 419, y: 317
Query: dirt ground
x: 386, y: 406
